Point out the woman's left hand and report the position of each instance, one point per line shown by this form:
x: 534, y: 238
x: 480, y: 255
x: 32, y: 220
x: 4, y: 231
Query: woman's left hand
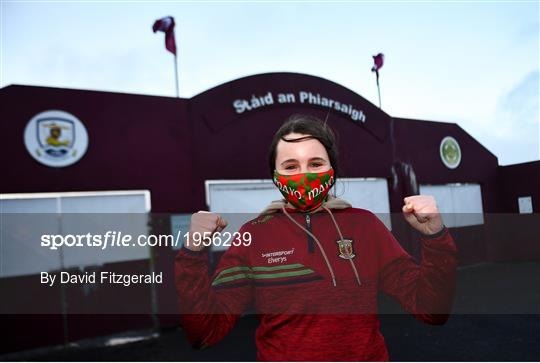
x: 422, y: 214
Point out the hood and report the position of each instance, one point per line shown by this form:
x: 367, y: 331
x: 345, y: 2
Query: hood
x: 331, y: 203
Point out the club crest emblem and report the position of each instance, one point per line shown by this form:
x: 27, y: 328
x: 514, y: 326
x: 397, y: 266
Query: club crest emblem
x: 345, y: 248
x: 56, y: 138
x: 450, y: 152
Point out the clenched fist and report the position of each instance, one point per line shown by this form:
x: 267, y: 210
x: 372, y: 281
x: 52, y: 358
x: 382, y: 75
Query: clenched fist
x: 203, y: 226
x: 422, y: 214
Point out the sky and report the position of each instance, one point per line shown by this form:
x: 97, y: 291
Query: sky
x: 474, y: 63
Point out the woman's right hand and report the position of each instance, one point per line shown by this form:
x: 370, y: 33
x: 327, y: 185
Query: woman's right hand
x: 204, y: 225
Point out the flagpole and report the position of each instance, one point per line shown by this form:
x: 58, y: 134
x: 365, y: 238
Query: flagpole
x: 176, y: 75
x: 378, y: 88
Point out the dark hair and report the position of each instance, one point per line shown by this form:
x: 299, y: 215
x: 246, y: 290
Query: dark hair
x: 307, y: 125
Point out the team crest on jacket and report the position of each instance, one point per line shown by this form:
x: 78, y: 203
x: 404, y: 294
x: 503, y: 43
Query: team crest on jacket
x: 345, y: 248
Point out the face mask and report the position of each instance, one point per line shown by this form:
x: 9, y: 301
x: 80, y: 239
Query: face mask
x: 305, y: 191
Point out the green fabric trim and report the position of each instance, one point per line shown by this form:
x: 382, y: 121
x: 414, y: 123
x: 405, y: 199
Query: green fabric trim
x: 284, y: 274
x: 279, y: 267
x: 258, y: 268
x: 239, y: 276
x: 233, y: 269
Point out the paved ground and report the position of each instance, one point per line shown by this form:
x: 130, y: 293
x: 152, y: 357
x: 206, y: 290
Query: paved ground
x: 509, y: 288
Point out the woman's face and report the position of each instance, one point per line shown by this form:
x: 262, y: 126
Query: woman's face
x: 308, y: 156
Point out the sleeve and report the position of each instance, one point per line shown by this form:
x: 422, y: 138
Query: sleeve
x: 425, y: 290
x: 211, y: 305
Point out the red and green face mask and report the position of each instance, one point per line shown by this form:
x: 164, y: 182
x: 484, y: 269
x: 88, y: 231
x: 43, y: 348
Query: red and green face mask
x: 305, y: 191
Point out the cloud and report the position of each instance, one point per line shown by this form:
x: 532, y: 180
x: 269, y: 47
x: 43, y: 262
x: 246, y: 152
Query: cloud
x: 516, y: 129
x: 520, y: 105
x: 512, y: 130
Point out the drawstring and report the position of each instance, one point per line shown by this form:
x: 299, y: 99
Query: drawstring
x: 341, y: 236
x: 318, y: 244
x: 321, y: 247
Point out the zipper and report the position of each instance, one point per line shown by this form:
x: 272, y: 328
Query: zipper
x: 311, y: 242
x: 309, y: 233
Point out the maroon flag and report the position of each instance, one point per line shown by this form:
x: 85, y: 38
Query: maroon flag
x: 378, y: 61
x: 166, y: 25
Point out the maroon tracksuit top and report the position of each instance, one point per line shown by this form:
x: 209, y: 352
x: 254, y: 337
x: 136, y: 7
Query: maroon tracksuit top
x: 305, y: 314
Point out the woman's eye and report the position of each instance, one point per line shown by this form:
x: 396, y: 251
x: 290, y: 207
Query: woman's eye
x: 290, y: 167
x: 316, y: 165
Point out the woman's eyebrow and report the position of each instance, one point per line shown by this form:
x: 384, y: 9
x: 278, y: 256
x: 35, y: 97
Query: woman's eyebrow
x: 288, y: 161
x: 317, y: 159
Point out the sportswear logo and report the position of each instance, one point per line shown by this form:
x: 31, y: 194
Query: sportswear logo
x: 277, y: 256
x: 345, y: 248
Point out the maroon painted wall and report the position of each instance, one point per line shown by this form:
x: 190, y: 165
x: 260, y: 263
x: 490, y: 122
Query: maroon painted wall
x: 171, y: 146
x: 418, y: 144
x: 517, y: 181
x: 135, y: 142
x: 515, y: 236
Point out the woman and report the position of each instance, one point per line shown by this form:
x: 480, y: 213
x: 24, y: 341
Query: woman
x: 315, y: 264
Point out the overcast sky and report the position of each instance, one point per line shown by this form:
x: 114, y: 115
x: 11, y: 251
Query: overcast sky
x: 473, y: 63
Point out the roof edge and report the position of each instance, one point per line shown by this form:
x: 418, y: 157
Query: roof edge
x: 15, y: 85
